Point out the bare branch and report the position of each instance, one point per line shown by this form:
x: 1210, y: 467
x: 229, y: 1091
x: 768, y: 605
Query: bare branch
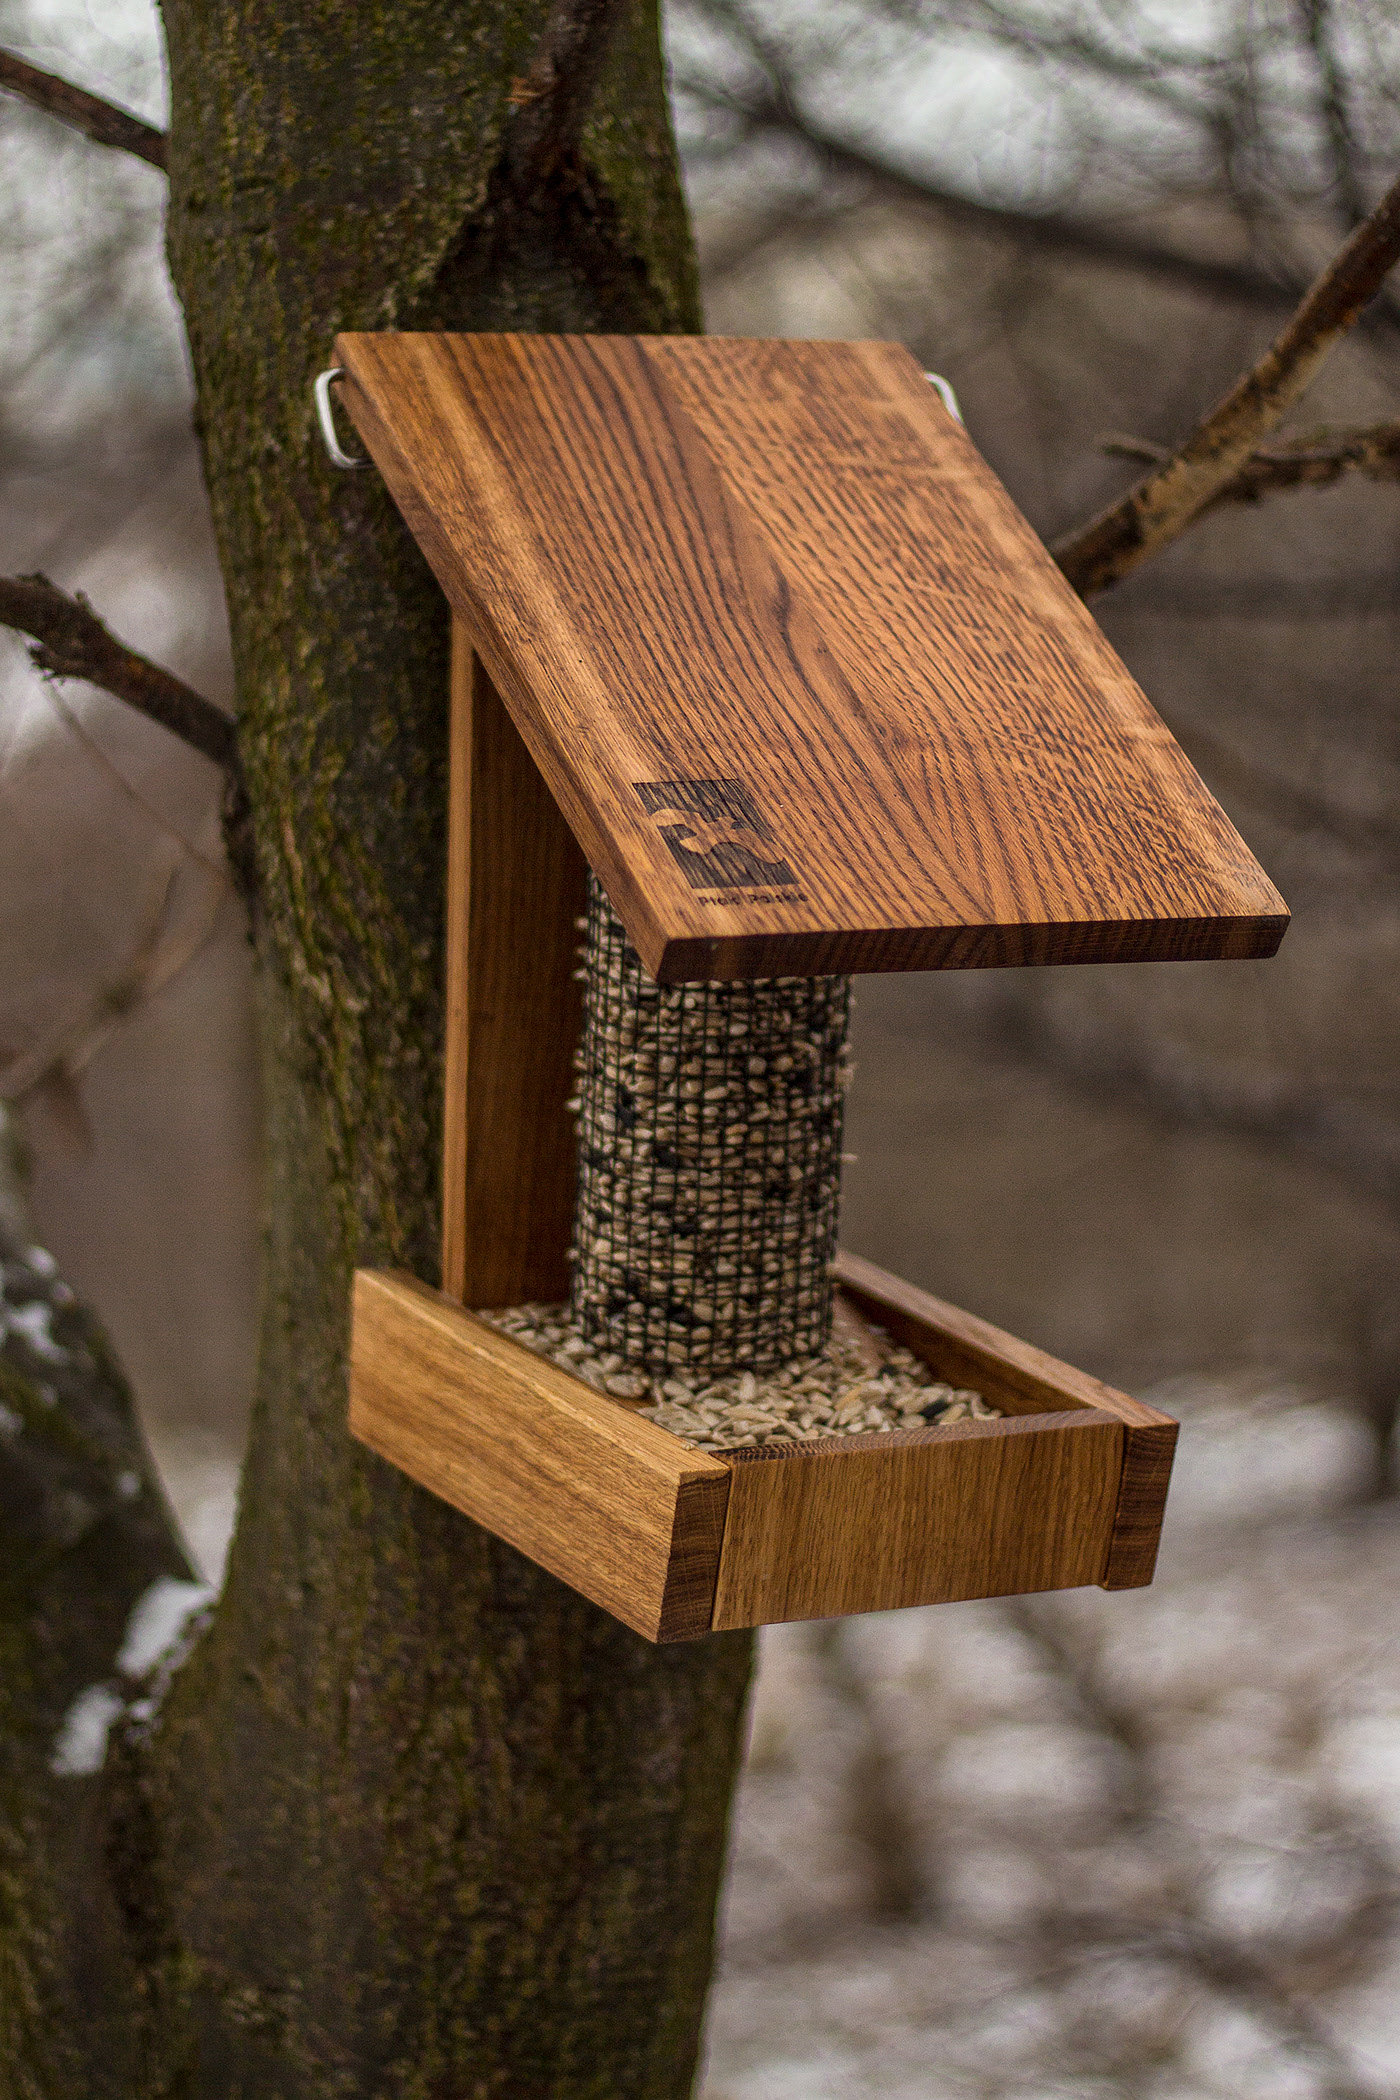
x: 72, y: 642
x: 1373, y: 453
x: 1053, y: 232
x: 105, y: 122
x: 1165, y: 502
x: 1314, y: 462
x: 770, y: 105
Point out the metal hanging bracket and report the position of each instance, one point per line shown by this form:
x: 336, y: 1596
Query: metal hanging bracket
x: 325, y: 416
x: 945, y: 394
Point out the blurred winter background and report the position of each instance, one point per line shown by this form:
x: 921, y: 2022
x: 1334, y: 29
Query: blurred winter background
x: 1141, y: 1845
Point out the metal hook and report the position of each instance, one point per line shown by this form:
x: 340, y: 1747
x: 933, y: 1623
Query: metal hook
x: 325, y: 417
x: 945, y: 395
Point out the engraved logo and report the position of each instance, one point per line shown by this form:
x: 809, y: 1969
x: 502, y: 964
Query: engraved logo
x: 715, y: 834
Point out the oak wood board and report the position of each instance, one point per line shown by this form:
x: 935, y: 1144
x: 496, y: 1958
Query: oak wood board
x: 924, y: 1516
x: 806, y: 686
x: 610, y: 1503
x: 515, y: 890
x: 1015, y: 1375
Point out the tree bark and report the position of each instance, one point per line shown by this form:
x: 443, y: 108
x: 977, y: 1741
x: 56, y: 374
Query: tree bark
x: 415, y: 1820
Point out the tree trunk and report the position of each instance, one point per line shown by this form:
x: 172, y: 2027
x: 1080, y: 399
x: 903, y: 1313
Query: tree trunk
x: 415, y: 1820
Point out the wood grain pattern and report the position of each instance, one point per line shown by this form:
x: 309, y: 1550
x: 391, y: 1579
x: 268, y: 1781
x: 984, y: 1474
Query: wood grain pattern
x: 784, y: 566
x: 873, y: 1523
x: 1017, y: 1376
x: 1148, y: 1451
x: 516, y: 886
x: 605, y: 1500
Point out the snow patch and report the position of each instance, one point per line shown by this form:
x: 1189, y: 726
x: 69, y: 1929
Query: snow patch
x: 81, y: 1743
x: 34, y: 1323
x: 158, y: 1619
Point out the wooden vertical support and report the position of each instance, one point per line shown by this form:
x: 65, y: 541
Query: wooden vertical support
x: 516, y: 886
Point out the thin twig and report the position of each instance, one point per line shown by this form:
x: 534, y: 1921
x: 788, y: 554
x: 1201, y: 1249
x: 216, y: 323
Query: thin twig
x: 82, y: 735
x: 160, y: 953
x: 1333, y: 111
x: 774, y: 106
x: 1166, y: 501
x: 97, y: 119
x: 1119, y: 445
x: 72, y: 642
x: 1313, y: 462
x: 1263, y: 1978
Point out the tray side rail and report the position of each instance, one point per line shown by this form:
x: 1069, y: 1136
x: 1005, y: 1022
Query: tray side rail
x: 604, y: 1499
x: 1023, y: 1379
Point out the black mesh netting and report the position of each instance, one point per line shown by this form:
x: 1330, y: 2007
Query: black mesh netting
x: 710, y: 1120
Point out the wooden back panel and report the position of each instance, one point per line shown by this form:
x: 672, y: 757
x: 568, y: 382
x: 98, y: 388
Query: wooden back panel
x: 808, y: 689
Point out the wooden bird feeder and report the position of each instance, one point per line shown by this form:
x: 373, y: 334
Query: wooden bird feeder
x: 752, y: 630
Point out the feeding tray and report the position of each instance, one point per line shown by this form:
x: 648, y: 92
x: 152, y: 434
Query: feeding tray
x: 1066, y: 1489
x: 808, y: 689
x: 751, y: 629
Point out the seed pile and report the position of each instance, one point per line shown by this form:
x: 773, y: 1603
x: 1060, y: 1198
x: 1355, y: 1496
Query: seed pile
x: 709, y: 1147
x: 848, y: 1387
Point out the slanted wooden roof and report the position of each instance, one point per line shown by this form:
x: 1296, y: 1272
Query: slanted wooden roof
x: 805, y: 684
